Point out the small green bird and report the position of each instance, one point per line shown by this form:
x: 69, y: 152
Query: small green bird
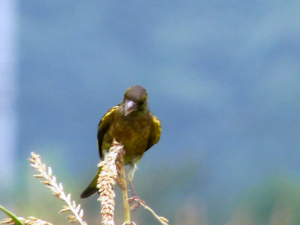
x: 133, y: 125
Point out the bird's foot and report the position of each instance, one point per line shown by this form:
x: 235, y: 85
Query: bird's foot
x: 135, y: 198
x: 137, y: 204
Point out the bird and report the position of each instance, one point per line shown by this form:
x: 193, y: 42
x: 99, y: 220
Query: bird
x: 133, y: 125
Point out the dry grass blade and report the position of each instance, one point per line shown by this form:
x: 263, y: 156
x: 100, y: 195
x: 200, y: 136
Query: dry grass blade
x: 65, y: 209
x: 29, y: 221
x: 57, y: 189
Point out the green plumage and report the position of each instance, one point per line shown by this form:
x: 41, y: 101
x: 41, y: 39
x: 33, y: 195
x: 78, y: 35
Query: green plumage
x: 133, y: 125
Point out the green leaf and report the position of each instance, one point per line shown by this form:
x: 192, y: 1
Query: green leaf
x: 12, y: 216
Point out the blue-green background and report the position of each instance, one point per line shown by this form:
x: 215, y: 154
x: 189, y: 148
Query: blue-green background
x: 223, y: 77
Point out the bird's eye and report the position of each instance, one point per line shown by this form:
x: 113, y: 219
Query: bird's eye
x: 140, y: 103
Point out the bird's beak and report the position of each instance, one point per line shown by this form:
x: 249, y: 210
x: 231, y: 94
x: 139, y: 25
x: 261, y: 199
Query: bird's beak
x: 129, y: 107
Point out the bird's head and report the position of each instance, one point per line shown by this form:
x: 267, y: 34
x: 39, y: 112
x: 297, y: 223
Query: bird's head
x: 135, y: 99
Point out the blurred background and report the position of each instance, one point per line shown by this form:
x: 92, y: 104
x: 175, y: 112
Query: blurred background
x: 223, y: 77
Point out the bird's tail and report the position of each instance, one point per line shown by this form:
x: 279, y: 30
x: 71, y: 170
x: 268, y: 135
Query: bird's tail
x: 92, y: 188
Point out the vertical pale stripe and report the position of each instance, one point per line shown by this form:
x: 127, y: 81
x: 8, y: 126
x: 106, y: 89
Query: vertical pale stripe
x: 8, y: 91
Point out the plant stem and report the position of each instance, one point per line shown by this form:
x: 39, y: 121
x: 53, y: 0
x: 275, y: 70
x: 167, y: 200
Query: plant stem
x: 125, y: 195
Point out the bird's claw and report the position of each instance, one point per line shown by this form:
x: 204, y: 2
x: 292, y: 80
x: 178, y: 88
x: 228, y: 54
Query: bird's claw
x: 138, y: 202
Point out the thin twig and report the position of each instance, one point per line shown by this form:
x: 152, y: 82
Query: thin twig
x: 161, y: 219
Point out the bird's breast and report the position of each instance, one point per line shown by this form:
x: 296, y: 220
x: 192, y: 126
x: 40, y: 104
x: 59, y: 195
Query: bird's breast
x: 132, y: 133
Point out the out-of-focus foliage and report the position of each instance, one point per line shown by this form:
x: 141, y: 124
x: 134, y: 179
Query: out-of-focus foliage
x: 11, y: 216
x: 275, y: 202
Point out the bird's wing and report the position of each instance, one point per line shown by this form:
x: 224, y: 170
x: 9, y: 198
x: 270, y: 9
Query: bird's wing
x: 104, y: 124
x: 155, y: 132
